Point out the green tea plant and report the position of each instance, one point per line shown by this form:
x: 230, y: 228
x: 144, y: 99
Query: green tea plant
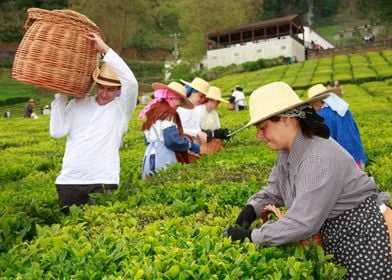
x: 171, y: 225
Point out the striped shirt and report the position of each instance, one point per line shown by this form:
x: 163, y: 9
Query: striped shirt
x: 316, y: 180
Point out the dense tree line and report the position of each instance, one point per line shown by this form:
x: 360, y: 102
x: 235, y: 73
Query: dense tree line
x: 147, y: 24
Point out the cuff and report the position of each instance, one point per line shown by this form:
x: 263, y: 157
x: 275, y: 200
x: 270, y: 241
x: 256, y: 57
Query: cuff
x: 108, y: 55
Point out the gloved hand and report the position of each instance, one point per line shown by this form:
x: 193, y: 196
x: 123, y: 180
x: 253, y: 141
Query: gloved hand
x: 238, y: 234
x: 195, y: 148
x: 221, y: 133
x: 210, y: 134
x: 246, y: 217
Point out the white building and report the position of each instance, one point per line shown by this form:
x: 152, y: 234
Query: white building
x: 264, y: 39
x: 311, y: 35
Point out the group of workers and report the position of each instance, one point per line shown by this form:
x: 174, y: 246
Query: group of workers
x: 315, y: 177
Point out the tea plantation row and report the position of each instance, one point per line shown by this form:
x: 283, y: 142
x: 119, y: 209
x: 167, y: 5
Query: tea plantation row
x: 170, y: 226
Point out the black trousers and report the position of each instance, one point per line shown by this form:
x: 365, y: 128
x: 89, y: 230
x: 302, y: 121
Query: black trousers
x: 79, y: 194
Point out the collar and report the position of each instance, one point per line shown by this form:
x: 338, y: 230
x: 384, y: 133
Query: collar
x: 337, y: 104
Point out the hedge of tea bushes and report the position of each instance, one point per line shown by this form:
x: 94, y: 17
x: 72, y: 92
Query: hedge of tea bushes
x: 355, y: 68
x: 170, y: 226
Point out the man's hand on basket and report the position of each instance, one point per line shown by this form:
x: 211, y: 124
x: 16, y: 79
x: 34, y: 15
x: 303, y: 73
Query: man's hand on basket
x: 100, y: 45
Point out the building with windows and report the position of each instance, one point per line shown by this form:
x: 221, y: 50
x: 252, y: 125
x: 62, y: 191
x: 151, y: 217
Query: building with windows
x: 264, y: 39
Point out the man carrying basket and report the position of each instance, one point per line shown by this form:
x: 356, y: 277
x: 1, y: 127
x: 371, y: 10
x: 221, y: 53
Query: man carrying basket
x: 94, y: 126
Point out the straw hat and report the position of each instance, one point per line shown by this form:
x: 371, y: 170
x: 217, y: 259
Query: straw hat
x: 198, y: 84
x: 216, y: 94
x: 106, y: 76
x: 177, y: 88
x: 31, y: 101
x: 273, y: 99
x: 319, y: 89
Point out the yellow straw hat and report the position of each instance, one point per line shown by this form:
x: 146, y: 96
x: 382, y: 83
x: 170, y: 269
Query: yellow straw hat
x: 198, y: 84
x: 177, y: 88
x: 216, y: 94
x: 320, y: 89
x: 106, y: 76
x: 273, y: 99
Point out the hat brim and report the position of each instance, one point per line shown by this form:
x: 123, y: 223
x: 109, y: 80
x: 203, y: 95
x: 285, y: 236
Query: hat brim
x: 192, y: 86
x: 316, y: 98
x: 103, y: 82
x: 334, y: 90
x: 218, y: 99
x: 185, y: 103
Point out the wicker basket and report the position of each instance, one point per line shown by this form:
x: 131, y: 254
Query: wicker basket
x: 55, y: 54
x: 214, y: 146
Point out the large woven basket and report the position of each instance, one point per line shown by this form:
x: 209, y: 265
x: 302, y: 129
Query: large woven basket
x: 55, y: 54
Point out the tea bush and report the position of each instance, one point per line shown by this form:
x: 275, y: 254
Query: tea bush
x: 171, y: 225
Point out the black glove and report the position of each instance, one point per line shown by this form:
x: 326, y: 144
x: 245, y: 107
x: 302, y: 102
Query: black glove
x: 238, y: 234
x: 221, y: 133
x: 246, y: 217
x: 210, y: 134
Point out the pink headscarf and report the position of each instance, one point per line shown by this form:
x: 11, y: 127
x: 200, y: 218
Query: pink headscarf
x: 159, y: 95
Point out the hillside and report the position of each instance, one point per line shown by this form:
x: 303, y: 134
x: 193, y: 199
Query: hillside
x: 355, y: 68
x: 171, y: 226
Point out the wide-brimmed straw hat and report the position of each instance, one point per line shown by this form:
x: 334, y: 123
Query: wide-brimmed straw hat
x: 177, y: 88
x: 216, y: 94
x: 198, y: 84
x: 320, y: 89
x: 31, y: 101
x: 273, y: 99
x: 106, y: 76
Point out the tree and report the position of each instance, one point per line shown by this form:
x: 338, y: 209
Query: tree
x: 380, y: 9
x: 119, y: 20
x: 197, y: 18
x: 13, y: 14
x: 281, y: 8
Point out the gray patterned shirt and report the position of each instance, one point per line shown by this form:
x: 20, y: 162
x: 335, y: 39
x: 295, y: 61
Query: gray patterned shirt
x: 316, y: 180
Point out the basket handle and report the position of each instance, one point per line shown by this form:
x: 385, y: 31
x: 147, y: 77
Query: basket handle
x: 61, y: 17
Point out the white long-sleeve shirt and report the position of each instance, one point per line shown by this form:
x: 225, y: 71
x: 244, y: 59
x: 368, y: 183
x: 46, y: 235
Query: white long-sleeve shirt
x: 239, y: 98
x: 208, y: 120
x: 94, y: 131
x: 190, y: 120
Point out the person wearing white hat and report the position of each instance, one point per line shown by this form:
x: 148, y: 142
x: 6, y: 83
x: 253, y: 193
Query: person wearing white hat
x: 340, y: 122
x: 162, y: 128
x: 94, y: 126
x: 209, y: 118
x: 319, y: 184
x: 195, y: 91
